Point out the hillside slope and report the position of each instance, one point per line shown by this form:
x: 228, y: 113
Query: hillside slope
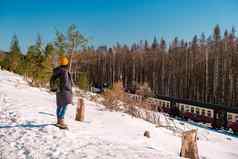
x: 27, y: 116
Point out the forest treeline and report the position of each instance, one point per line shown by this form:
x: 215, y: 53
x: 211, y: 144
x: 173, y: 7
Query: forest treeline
x: 37, y: 63
x: 204, y: 69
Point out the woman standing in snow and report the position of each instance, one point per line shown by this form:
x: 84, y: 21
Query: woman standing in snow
x: 61, y: 83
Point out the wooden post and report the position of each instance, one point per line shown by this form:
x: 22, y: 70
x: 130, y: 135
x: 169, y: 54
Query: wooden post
x: 189, y: 145
x: 80, y: 110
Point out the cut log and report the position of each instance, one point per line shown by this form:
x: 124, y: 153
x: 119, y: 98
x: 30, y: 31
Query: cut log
x: 80, y: 112
x: 189, y: 145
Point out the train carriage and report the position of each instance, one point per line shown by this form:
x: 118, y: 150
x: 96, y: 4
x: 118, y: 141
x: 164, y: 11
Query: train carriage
x: 232, y: 121
x: 218, y: 116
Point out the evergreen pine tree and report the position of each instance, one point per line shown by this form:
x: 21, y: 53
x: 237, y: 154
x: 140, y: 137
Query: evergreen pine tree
x: 14, y: 58
x: 83, y: 81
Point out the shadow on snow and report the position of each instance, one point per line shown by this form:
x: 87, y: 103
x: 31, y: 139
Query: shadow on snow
x: 25, y: 126
x: 44, y: 113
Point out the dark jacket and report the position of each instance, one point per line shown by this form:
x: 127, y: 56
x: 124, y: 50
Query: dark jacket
x: 64, y: 92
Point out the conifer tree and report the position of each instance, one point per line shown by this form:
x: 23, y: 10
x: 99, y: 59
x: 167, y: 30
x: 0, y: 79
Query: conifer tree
x: 83, y: 81
x: 14, y: 58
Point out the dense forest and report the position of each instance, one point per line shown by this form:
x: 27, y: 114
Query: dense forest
x: 204, y: 69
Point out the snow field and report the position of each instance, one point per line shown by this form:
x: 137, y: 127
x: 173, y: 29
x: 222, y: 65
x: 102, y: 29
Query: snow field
x: 27, y: 116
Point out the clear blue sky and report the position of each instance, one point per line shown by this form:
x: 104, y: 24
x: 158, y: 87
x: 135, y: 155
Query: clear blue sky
x: 111, y: 21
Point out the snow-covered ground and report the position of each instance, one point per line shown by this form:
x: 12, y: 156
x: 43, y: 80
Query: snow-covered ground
x: 27, y: 116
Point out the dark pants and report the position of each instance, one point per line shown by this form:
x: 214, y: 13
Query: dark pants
x: 60, y: 111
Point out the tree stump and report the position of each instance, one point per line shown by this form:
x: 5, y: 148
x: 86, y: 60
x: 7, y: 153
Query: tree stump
x: 80, y: 112
x: 189, y: 145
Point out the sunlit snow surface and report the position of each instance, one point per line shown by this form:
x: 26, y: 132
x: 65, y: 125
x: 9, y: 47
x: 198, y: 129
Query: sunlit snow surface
x: 27, y: 116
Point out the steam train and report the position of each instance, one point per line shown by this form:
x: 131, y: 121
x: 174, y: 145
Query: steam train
x: 214, y: 115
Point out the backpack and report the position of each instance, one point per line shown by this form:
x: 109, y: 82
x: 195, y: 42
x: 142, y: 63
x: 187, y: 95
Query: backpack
x: 55, y: 83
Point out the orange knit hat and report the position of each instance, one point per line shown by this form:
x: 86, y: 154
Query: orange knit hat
x: 63, y: 61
